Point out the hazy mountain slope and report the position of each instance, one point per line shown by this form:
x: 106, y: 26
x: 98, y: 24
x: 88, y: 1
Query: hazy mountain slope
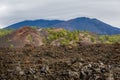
x: 38, y: 23
x: 92, y: 25
x: 82, y: 23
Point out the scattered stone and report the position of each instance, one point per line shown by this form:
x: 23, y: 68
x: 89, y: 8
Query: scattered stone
x: 73, y: 74
x: 18, y: 68
x: 21, y: 73
x: 78, y: 63
x: 32, y: 71
x: 44, y: 69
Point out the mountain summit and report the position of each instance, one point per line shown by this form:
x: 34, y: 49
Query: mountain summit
x: 81, y: 23
x: 88, y: 24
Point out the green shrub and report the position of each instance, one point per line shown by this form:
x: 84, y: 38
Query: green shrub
x: 67, y: 35
x: 29, y: 37
x: 109, y: 39
x: 4, y: 32
x: 65, y: 42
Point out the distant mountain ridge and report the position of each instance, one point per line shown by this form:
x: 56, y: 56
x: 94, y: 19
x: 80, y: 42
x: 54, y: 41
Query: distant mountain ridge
x: 38, y: 23
x: 92, y: 25
x: 81, y: 23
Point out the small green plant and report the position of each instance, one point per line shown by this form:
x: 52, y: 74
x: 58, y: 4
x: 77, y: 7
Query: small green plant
x: 109, y: 39
x: 4, y: 32
x: 65, y: 42
x: 8, y: 40
x: 92, y: 39
x: 34, y: 27
x: 29, y: 37
x: 67, y: 36
x: 11, y: 45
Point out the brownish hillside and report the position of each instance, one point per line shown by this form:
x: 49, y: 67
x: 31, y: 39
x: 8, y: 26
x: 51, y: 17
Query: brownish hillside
x: 20, y: 37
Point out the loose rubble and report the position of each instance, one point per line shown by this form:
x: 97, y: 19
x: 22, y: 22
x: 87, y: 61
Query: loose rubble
x: 95, y: 62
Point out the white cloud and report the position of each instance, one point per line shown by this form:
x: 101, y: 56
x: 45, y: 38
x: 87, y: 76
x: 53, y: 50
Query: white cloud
x: 12, y: 11
x: 3, y: 10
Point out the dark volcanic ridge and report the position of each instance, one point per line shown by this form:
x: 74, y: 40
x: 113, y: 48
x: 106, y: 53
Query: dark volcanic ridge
x: 81, y: 23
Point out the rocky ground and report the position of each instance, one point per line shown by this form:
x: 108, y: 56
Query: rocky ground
x: 91, y: 62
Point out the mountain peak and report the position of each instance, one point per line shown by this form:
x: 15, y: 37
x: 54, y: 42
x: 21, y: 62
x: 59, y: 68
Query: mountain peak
x: 81, y: 18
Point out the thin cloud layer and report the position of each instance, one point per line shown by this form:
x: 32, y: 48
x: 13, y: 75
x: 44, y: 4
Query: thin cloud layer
x: 12, y: 11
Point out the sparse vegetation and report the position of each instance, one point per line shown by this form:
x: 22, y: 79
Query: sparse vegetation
x: 34, y: 27
x: 4, y: 32
x: 29, y: 37
x: 110, y: 39
x: 11, y: 45
x: 69, y: 36
x: 92, y: 39
x: 66, y: 37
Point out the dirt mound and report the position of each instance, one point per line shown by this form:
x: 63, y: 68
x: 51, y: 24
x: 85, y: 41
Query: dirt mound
x: 21, y: 37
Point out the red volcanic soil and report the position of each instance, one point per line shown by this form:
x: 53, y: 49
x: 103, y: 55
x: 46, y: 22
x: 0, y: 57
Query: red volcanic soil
x: 21, y: 37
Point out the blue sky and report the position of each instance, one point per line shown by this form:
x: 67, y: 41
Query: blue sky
x: 12, y: 11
